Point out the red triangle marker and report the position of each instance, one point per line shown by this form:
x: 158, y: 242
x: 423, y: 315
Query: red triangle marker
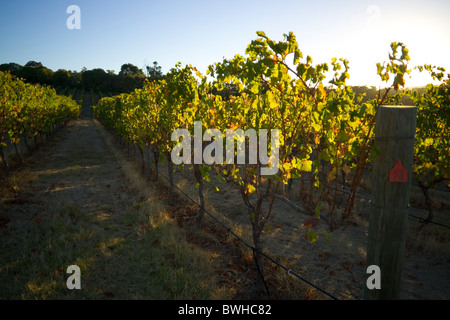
x: 398, y: 173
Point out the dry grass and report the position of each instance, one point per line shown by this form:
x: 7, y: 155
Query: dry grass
x: 138, y: 254
x: 234, y: 263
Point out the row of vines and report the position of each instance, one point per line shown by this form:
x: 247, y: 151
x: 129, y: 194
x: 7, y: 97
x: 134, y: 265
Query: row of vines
x: 325, y: 132
x: 28, y: 110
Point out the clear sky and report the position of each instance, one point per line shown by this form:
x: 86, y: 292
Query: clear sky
x: 201, y: 32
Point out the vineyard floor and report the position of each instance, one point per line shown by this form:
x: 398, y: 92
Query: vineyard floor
x: 339, y: 266
x: 74, y: 203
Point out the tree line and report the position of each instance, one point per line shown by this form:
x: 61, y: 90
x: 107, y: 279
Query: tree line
x: 128, y: 79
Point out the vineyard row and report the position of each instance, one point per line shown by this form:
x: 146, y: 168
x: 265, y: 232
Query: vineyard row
x: 325, y: 132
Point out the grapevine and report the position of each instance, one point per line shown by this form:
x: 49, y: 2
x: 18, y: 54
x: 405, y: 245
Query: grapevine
x: 30, y: 110
x: 324, y: 132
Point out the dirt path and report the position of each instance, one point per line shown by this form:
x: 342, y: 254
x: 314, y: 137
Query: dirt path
x: 73, y: 185
x: 72, y: 204
x: 78, y: 169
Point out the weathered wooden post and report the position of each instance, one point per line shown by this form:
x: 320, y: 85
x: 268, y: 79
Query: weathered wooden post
x: 391, y: 185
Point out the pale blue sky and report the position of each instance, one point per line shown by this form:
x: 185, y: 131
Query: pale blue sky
x: 203, y: 32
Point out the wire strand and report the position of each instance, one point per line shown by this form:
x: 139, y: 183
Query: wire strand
x: 289, y: 271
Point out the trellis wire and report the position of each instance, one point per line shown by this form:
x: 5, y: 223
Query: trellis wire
x: 289, y: 271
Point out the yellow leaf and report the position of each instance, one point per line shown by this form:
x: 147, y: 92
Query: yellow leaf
x: 323, y: 94
x: 346, y: 169
x: 331, y: 176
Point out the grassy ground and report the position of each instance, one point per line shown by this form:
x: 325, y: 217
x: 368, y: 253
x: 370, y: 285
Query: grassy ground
x: 124, y: 241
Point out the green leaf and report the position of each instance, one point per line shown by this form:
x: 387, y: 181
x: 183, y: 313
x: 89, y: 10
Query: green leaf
x: 342, y: 136
x: 221, y: 178
x: 261, y: 34
x: 327, y: 235
x: 379, y: 68
x: 311, y: 236
x: 317, y: 210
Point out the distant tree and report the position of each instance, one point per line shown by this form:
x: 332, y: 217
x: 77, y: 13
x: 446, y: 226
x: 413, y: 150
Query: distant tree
x: 75, y: 79
x: 154, y: 73
x: 11, y: 67
x: 93, y: 79
x: 128, y: 69
x: 368, y: 92
x: 61, y: 78
x: 34, y: 64
x: 34, y: 72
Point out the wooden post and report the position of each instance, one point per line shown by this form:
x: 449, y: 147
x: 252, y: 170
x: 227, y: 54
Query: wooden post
x: 391, y: 185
